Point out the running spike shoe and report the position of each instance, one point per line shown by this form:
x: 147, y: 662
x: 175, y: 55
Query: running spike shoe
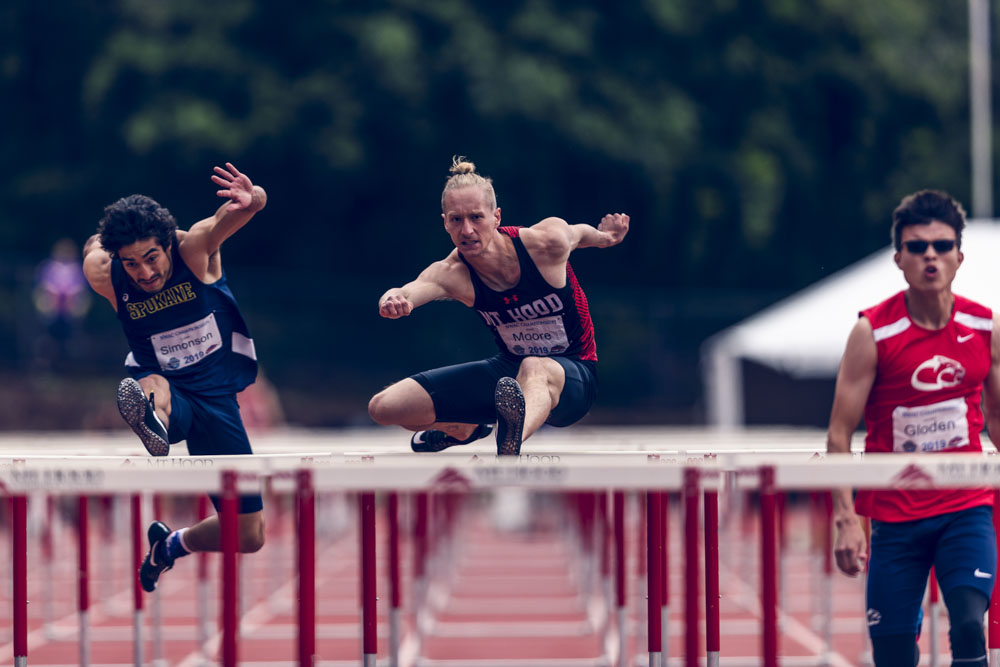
x: 510, y: 416
x: 156, y: 561
x: 434, y: 441
x: 140, y: 414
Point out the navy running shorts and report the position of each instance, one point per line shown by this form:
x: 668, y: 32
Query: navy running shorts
x: 463, y: 393
x: 960, y: 545
x: 212, y: 425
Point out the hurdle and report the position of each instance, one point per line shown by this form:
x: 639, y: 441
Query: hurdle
x: 365, y: 476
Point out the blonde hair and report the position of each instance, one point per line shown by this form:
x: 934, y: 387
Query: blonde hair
x: 463, y: 176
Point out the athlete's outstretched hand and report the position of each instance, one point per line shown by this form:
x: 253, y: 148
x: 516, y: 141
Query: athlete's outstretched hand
x: 615, y: 227
x: 394, y: 306
x: 234, y: 186
x: 851, y: 548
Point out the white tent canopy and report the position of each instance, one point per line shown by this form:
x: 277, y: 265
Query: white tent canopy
x: 805, y: 334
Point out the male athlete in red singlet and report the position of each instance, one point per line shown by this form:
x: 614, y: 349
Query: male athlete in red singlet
x: 521, y: 283
x: 917, y: 366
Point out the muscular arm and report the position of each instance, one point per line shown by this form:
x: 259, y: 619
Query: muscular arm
x: 854, y: 382
x: 556, y: 238
x: 97, y: 269
x: 201, y: 244
x: 991, y: 387
x: 446, y: 279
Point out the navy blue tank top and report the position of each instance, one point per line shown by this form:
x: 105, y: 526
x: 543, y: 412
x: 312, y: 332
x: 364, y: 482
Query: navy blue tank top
x: 189, y: 332
x: 533, y: 318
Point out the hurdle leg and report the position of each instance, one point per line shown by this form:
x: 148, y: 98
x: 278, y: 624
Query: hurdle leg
x: 137, y: 556
x: 230, y: 594
x: 691, y: 569
x: 712, y: 577
x: 769, y: 565
x: 107, y: 506
x: 83, y: 584
x: 369, y: 648
x: 48, y: 552
x: 604, y: 536
x: 392, y: 510
x: 641, y: 577
x: 306, y: 530
x: 654, y: 559
x: 602, y: 545
x: 665, y: 579
x: 619, y: 518
x: 781, y: 500
x: 19, y: 560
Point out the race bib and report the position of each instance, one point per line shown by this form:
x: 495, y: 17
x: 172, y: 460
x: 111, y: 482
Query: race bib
x: 930, y: 428
x: 187, y: 345
x: 540, y: 337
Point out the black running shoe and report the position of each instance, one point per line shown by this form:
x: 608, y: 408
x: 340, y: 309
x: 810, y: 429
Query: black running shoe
x: 156, y: 562
x: 139, y: 413
x: 435, y: 441
x: 510, y: 417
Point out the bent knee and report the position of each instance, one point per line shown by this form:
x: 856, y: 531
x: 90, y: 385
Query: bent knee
x: 404, y: 403
x: 546, y: 370
x: 379, y: 409
x: 252, y: 541
x: 535, y: 366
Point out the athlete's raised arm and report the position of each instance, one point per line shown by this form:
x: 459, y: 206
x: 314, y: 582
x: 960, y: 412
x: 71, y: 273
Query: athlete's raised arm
x: 97, y: 268
x: 244, y: 200
x: 854, y: 382
x: 445, y: 279
x: 610, y: 231
x: 556, y: 238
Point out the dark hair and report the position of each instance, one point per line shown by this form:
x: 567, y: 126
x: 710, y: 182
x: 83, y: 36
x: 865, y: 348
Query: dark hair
x: 924, y: 207
x: 135, y: 218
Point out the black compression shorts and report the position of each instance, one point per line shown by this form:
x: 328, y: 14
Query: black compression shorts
x: 463, y: 393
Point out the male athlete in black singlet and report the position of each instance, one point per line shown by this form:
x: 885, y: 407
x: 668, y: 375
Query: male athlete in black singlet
x: 521, y: 283
x: 191, y: 351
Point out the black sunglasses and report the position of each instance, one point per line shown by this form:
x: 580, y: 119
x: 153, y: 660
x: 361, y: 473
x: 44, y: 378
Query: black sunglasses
x: 941, y: 246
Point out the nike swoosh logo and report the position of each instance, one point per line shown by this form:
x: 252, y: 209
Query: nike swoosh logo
x: 962, y: 339
x: 982, y: 575
x: 152, y: 558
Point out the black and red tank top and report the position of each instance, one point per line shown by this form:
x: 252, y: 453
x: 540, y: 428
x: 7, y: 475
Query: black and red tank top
x: 533, y: 318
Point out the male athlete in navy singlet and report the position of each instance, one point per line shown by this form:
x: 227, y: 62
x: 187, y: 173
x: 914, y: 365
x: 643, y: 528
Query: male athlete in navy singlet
x: 520, y: 282
x: 191, y: 351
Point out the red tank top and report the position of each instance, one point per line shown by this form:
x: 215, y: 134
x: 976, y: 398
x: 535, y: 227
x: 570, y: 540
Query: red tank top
x: 926, y: 398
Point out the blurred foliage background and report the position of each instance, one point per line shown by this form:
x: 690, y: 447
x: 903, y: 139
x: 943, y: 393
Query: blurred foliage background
x: 759, y: 145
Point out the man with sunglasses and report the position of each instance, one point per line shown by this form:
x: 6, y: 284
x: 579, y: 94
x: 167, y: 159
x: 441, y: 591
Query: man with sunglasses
x: 916, y: 366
